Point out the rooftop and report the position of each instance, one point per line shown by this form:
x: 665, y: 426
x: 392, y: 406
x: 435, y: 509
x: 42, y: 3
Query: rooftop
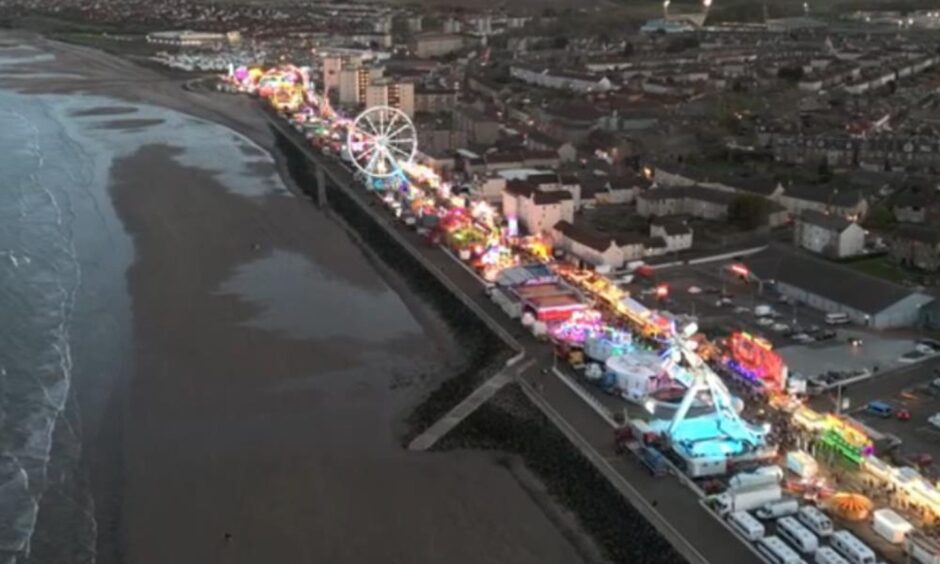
x: 824, y: 220
x: 920, y: 233
x: 824, y: 194
x: 587, y: 237
x: 542, y: 198
x: 826, y: 279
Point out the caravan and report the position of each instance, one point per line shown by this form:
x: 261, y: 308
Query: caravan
x: 797, y: 535
x: 775, y: 550
x: 854, y: 550
x: 749, y: 527
x: 815, y: 520
x: 826, y: 555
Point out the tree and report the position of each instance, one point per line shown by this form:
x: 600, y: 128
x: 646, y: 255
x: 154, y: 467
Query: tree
x: 560, y: 42
x: 792, y: 74
x: 749, y: 211
x: 879, y: 217
x: 824, y: 172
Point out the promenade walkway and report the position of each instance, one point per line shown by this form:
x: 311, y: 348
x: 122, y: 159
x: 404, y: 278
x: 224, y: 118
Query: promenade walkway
x: 673, y: 509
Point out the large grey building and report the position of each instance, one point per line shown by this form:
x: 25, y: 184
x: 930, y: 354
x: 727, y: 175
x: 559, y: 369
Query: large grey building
x: 831, y: 287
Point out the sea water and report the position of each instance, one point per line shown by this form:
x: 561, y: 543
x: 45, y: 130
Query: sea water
x: 63, y: 299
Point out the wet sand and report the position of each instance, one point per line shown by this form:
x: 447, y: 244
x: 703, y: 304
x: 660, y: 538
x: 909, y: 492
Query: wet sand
x: 254, y: 409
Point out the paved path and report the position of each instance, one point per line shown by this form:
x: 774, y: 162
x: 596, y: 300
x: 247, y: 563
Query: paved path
x: 463, y: 409
x: 673, y: 509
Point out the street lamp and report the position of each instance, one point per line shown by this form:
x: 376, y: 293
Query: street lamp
x: 707, y: 4
x: 666, y: 9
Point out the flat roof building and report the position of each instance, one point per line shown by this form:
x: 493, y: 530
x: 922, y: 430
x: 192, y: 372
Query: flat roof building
x: 833, y: 288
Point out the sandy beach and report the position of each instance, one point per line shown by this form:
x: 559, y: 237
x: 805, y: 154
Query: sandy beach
x: 272, y: 368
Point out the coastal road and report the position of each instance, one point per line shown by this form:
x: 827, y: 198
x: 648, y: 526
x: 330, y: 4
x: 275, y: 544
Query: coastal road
x: 689, y: 527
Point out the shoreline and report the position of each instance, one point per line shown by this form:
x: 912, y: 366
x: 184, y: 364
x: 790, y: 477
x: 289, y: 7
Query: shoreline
x: 130, y: 425
x: 488, y: 429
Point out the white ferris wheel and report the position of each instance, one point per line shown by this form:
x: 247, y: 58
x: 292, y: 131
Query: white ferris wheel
x: 381, y: 140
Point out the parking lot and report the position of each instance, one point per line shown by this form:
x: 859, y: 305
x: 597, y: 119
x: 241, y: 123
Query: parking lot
x: 912, y: 392
x: 876, y: 353
x: 721, y: 300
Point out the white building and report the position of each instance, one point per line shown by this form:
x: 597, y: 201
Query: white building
x: 537, y: 209
x: 187, y: 38
x: 829, y: 235
x: 577, y: 82
x: 393, y: 93
x: 677, y: 235
x: 429, y: 45
x: 353, y: 82
x: 489, y: 188
x: 587, y: 246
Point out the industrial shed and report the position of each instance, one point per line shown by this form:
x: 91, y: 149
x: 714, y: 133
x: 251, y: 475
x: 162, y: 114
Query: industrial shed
x: 832, y: 287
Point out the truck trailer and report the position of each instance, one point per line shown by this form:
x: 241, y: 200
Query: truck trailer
x: 746, y: 499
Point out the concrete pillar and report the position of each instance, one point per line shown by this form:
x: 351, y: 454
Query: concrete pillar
x: 321, y: 188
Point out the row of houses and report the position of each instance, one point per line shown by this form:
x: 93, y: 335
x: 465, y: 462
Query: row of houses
x: 885, y: 150
x: 580, y: 82
x: 710, y: 199
x: 697, y: 201
x: 589, y: 247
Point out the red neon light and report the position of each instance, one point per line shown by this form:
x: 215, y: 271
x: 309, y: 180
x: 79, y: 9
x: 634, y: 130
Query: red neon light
x: 662, y: 291
x: 740, y: 270
x: 757, y: 357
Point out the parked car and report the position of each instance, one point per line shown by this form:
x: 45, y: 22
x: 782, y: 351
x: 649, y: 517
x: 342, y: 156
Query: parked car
x: 930, y: 343
x: 780, y: 327
x: 695, y: 290
x: 803, y: 338
x: 903, y: 415
x: 825, y: 335
x: 765, y: 321
x: 879, y: 408
x: 934, y: 420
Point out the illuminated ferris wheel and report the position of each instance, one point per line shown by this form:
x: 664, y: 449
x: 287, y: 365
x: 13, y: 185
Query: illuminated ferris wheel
x: 381, y: 140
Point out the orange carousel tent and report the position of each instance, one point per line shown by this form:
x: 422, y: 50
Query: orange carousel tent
x: 850, y: 506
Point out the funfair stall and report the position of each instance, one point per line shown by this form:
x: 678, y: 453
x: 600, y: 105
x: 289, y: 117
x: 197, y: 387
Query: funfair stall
x: 635, y: 376
x: 754, y: 359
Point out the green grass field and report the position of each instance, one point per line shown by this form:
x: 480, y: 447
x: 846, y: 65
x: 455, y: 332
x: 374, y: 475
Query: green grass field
x: 881, y: 267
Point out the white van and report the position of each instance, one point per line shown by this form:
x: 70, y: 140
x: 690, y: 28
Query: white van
x: 854, y: 550
x: 749, y: 527
x: 837, y: 318
x: 826, y: 555
x: 797, y: 535
x: 815, y: 520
